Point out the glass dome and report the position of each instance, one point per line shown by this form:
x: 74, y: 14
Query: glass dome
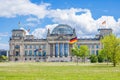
x: 62, y: 29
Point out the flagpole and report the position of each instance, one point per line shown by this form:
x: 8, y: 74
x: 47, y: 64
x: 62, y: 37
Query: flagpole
x: 19, y: 25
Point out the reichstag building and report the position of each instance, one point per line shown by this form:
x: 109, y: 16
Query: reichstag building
x: 55, y: 47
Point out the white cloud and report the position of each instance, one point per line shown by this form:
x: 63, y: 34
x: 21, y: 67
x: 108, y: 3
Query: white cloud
x: 4, y: 46
x: 83, y: 22
x: 32, y: 19
x: 39, y: 33
x: 31, y: 24
x: 3, y: 34
x: 27, y: 33
x: 42, y: 32
x: 80, y: 19
x: 11, y: 8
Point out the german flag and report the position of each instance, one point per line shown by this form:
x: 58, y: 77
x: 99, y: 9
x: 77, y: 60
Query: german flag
x: 104, y: 22
x: 73, y: 40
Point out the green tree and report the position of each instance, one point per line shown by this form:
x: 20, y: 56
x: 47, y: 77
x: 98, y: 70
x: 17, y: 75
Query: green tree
x: 81, y: 51
x: 76, y: 51
x: 111, y: 46
x: 84, y: 52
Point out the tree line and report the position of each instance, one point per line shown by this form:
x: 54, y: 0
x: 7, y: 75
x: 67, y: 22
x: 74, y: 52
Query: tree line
x: 110, y: 51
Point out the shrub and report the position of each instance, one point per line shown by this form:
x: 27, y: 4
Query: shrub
x: 3, y: 58
x: 100, y: 58
x: 93, y: 59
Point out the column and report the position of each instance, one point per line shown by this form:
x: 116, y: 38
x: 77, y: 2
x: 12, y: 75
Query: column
x: 68, y: 49
x: 53, y: 49
x: 63, y: 49
x: 58, y: 49
x: 7, y: 54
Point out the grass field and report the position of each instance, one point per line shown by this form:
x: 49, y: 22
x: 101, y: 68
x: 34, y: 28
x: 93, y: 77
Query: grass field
x: 58, y: 71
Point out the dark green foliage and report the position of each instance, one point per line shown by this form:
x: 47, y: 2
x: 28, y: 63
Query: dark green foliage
x: 93, y: 59
x: 3, y: 58
x: 100, y: 58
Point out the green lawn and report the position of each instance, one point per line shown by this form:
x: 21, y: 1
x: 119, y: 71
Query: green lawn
x: 58, y: 71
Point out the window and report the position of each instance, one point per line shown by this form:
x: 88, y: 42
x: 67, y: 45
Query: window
x: 39, y: 54
x: 92, y: 46
x: 44, y: 46
x: 29, y: 58
x: 96, y: 52
x: 44, y: 53
x: 35, y: 53
x: 97, y: 46
x: 30, y: 52
x: 30, y: 46
x: 34, y: 46
x: 25, y: 46
x: 39, y: 46
x: 25, y: 59
x: 17, y: 53
x: 26, y: 52
x: 17, y: 47
x: 93, y: 51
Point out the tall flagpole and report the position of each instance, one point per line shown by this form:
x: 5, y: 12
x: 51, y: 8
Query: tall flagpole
x: 19, y: 25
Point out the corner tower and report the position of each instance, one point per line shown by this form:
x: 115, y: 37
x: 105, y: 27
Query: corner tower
x: 16, y: 44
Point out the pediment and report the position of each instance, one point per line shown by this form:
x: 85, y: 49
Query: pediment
x: 61, y: 38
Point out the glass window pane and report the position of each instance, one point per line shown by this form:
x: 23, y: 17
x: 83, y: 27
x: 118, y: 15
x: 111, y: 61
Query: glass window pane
x: 39, y: 53
x: 61, y: 50
x: 30, y: 46
x: 65, y: 49
x: 30, y: 52
x: 26, y: 52
x: 97, y: 46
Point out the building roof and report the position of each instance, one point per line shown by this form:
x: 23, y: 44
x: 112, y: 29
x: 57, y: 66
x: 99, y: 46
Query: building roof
x: 105, y: 29
x: 17, y: 30
x: 62, y: 29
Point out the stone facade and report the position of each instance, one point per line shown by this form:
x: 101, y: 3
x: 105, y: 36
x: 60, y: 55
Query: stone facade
x: 55, y: 47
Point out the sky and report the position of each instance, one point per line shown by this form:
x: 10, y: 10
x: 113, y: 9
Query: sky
x: 86, y: 16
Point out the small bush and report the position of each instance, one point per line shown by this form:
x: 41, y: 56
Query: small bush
x: 3, y: 58
x: 100, y: 58
x: 93, y: 59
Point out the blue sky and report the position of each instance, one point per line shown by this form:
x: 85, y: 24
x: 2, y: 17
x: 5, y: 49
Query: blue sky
x: 85, y: 16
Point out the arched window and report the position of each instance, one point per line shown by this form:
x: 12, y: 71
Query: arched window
x: 17, y: 47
